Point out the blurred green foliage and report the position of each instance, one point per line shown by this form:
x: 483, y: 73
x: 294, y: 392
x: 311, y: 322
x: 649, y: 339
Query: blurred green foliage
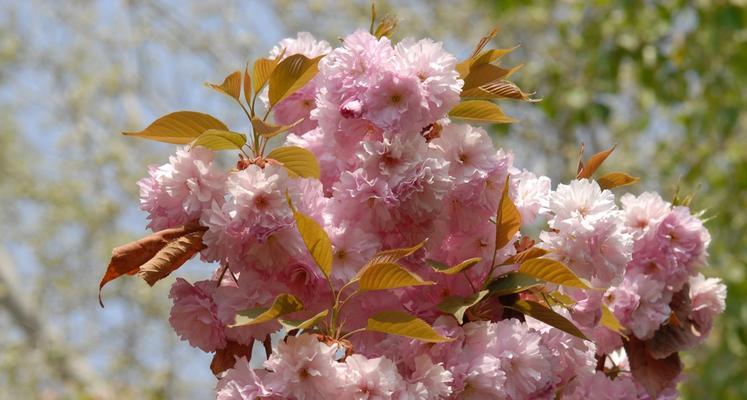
x: 667, y: 81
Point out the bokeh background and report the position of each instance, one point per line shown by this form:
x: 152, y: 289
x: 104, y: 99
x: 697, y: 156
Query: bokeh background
x: 665, y: 80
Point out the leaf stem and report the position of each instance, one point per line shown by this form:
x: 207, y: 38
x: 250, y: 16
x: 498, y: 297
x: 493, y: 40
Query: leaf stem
x: 359, y: 330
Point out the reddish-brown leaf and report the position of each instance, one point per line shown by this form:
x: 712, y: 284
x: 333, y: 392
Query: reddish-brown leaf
x: 156, y: 255
x: 225, y: 358
x: 594, y: 162
x: 679, y: 333
x: 653, y: 374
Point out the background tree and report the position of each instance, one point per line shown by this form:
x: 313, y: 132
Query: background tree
x: 664, y: 80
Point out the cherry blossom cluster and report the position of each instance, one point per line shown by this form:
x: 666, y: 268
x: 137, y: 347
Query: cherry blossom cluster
x: 396, y: 171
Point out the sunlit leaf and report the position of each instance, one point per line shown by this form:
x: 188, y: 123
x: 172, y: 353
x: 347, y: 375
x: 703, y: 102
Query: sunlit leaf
x: 297, y: 160
x: 512, y: 282
x: 484, y: 74
x: 480, y: 111
x: 214, y: 139
x: 179, y: 127
x: 528, y: 254
x: 310, y: 323
x: 485, y: 57
x: 389, y: 276
x: 156, y: 255
x: 386, y: 27
x: 616, y: 179
x: 445, y: 269
x: 483, y: 42
x: 507, y: 219
x: 501, y: 89
x: 594, y: 162
x: 231, y: 86
x: 610, y: 321
x: 561, y: 299
x: 403, y: 324
x: 488, y: 56
x: 552, y: 271
x: 267, y: 129
x: 653, y: 374
x: 282, y: 305
x: 548, y: 316
x: 390, y: 256
x: 316, y: 240
x: 290, y: 75
x: 262, y: 70
x: 457, y: 305
x: 247, y: 85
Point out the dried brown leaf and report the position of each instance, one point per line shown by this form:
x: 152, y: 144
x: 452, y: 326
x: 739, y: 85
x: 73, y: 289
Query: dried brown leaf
x: 653, y: 374
x: 152, y: 252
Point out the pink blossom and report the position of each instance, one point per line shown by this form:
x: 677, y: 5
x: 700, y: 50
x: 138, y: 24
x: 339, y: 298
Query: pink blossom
x: 242, y: 383
x: 255, y: 222
x: 304, y: 43
x: 436, y: 69
x: 599, y: 386
x: 529, y: 194
x: 194, y: 315
x: 643, y: 211
x: 708, y: 299
x: 301, y: 367
x: 586, y: 232
x: 176, y: 193
x: 395, y: 103
x: 374, y: 379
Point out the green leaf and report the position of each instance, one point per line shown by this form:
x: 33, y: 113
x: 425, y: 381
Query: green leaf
x: 616, y: 179
x: 548, y: 316
x: 480, y: 111
x: 457, y: 305
x: 316, y: 240
x: 290, y: 75
x: 267, y: 129
x: 610, y: 321
x: 310, y: 323
x: 552, y: 271
x: 231, y: 86
x: 403, y: 324
x: 284, y: 304
x: 507, y: 219
x: 512, y: 282
x: 389, y: 276
x: 445, y: 269
x: 179, y: 127
x: 298, y: 161
x: 214, y: 139
x: 263, y: 68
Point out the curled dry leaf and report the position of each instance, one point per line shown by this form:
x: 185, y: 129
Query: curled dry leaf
x: 653, y: 374
x: 225, y: 358
x: 155, y: 256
